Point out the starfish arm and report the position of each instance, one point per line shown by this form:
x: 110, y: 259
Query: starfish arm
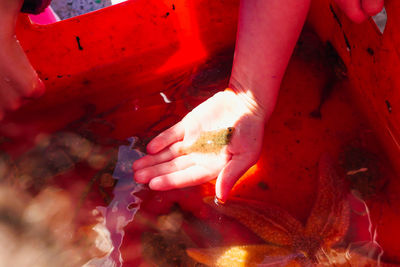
x: 272, y: 224
x: 329, y: 217
x: 343, y: 257
x: 244, y: 256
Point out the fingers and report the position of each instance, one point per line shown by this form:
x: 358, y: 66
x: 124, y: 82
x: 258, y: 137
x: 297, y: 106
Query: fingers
x: 191, y: 176
x: 12, y: 95
x: 372, y: 7
x: 166, y: 138
x: 165, y: 155
x: 18, y: 79
x: 21, y: 74
x: 227, y: 178
x: 179, y: 163
x: 352, y: 8
x: 35, y: 89
x: 360, y: 10
x: 9, y: 99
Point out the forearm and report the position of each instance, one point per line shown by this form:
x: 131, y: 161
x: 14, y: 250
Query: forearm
x: 267, y: 33
x: 9, y: 10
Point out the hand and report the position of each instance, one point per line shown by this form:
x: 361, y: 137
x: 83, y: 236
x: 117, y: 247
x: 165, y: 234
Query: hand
x: 360, y: 10
x: 18, y: 79
x: 172, y: 161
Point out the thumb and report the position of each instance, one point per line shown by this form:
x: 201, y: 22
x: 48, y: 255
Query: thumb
x: 38, y: 87
x: 352, y: 9
x: 228, y: 176
x: 372, y: 7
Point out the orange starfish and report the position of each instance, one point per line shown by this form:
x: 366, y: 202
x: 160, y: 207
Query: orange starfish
x: 288, y: 241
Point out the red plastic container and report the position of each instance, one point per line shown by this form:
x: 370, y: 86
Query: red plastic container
x: 106, y: 69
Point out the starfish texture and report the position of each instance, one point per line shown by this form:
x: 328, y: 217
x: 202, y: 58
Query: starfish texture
x: 288, y: 241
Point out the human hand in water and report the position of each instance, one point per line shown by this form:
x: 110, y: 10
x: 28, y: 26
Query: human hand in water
x: 360, y: 10
x: 202, y: 146
x: 18, y: 79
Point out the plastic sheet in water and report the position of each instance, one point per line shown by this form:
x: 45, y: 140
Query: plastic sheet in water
x: 121, y: 210
x: 380, y: 20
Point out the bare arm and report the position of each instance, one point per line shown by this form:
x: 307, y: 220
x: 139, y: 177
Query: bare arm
x: 267, y: 33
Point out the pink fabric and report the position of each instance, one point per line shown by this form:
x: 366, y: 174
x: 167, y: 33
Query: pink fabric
x: 44, y: 18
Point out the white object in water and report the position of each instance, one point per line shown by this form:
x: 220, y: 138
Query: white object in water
x: 380, y: 20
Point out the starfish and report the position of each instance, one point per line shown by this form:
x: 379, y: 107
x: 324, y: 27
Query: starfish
x: 288, y: 242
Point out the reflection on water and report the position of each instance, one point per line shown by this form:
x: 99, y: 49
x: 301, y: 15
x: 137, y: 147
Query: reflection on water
x: 72, y: 197
x: 369, y: 246
x: 48, y: 196
x: 122, y: 208
x: 59, y: 217
x: 40, y: 230
x: 321, y: 241
x: 49, y: 193
x: 288, y: 244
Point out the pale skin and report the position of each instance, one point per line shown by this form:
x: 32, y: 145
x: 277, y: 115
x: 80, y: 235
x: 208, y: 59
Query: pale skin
x: 262, y: 52
x: 18, y: 79
x: 267, y: 33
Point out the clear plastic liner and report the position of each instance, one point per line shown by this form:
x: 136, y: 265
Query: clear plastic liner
x: 120, y: 211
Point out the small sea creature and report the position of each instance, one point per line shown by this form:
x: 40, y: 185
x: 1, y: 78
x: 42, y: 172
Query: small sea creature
x: 211, y: 141
x: 287, y: 241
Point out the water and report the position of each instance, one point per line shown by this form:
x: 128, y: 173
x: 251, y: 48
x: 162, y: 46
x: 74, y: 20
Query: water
x: 119, y: 212
x: 99, y: 216
x: 57, y: 185
x: 66, y: 200
x: 162, y: 228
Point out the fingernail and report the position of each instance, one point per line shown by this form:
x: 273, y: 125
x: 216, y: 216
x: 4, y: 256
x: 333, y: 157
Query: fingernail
x: 139, y: 176
x: 219, y: 201
x: 155, y: 184
x: 151, y: 148
x: 135, y: 165
x: 219, y: 196
x: 39, y: 89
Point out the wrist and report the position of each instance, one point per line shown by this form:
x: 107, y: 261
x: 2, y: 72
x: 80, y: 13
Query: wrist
x: 253, y: 102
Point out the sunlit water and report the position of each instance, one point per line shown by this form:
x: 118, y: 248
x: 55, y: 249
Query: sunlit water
x: 167, y: 238
x: 55, y: 187
x: 95, y: 218
x: 122, y: 208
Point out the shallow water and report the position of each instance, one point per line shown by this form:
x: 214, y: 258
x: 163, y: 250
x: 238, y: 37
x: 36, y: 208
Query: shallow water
x: 93, y: 217
x: 94, y: 198
x: 122, y: 208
